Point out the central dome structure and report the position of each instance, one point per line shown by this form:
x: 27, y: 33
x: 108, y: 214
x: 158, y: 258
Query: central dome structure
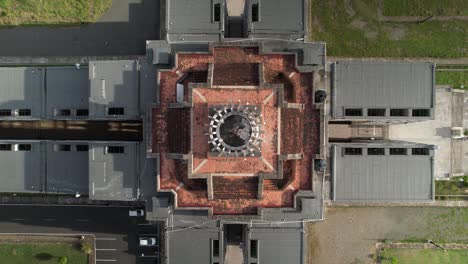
x: 235, y: 130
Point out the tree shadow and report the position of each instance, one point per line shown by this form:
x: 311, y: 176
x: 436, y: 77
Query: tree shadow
x: 43, y: 256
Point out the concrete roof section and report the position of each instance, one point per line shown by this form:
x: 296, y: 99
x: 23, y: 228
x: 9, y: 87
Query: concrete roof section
x: 216, y: 20
x: 22, y: 88
x: 309, y: 55
x: 279, y: 245
x: 67, y: 89
x: 192, y: 245
x: 383, y: 172
x: 23, y: 166
x: 212, y: 243
x: 67, y: 167
x: 191, y: 20
x: 408, y: 87
x: 44, y: 166
x: 114, y: 92
x: 113, y: 171
x: 278, y: 19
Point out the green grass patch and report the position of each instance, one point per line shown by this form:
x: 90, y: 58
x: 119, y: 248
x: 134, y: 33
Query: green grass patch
x: 51, y: 12
x: 423, y: 256
x: 458, y: 79
x: 455, y: 186
x: 425, y: 7
x: 41, y: 254
x: 353, y: 30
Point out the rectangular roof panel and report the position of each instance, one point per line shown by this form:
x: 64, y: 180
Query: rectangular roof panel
x: 113, y: 84
x: 22, y: 171
x: 67, y: 171
x: 191, y: 246
x: 382, y: 84
x: 382, y: 178
x: 113, y: 176
x: 67, y: 88
x: 22, y: 88
x: 278, y: 15
x: 279, y: 245
x: 185, y: 16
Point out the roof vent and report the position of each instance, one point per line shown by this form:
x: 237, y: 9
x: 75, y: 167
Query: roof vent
x: 320, y: 96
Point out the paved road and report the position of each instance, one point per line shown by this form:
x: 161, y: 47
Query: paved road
x: 116, y: 233
x: 122, y: 30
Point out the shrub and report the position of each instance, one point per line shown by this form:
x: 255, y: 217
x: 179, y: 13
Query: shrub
x: 63, y: 260
x: 86, y: 248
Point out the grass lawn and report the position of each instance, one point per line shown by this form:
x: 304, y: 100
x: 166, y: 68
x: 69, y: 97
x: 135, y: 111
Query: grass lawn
x: 424, y: 256
x: 455, y: 78
x: 352, y: 30
x: 452, y: 187
x: 425, y: 7
x: 43, y: 12
x: 40, y: 254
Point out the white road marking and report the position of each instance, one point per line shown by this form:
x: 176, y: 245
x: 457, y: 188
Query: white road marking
x: 106, y: 249
x: 106, y: 260
x: 144, y: 224
x: 106, y: 238
x: 18, y: 219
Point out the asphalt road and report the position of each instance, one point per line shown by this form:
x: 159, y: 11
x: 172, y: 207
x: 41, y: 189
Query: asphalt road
x: 122, y: 30
x: 116, y: 233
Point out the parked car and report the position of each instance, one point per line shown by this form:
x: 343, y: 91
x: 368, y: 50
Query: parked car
x: 136, y: 212
x: 147, y: 241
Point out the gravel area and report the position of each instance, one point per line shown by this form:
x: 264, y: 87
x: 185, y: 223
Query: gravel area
x: 349, y: 234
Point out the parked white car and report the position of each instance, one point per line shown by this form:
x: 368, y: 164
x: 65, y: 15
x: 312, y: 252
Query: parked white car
x: 136, y: 212
x: 147, y: 241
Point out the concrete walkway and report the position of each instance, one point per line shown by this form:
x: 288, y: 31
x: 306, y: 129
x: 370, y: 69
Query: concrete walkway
x: 435, y: 132
x: 122, y: 30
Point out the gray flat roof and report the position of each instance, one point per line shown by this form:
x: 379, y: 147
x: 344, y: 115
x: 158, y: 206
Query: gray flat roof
x: 191, y: 245
x: 192, y: 20
x: 113, y: 84
x: 382, y: 84
x: 382, y: 178
x: 67, y: 88
x: 113, y: 176
x: 67, y: 171
x: 22, y: 171
x: 22, y: 88
x: 278, y: 17
x: 279, y: 245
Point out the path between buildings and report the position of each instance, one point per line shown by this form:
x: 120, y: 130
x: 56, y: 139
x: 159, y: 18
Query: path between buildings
x: 122, y: 30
